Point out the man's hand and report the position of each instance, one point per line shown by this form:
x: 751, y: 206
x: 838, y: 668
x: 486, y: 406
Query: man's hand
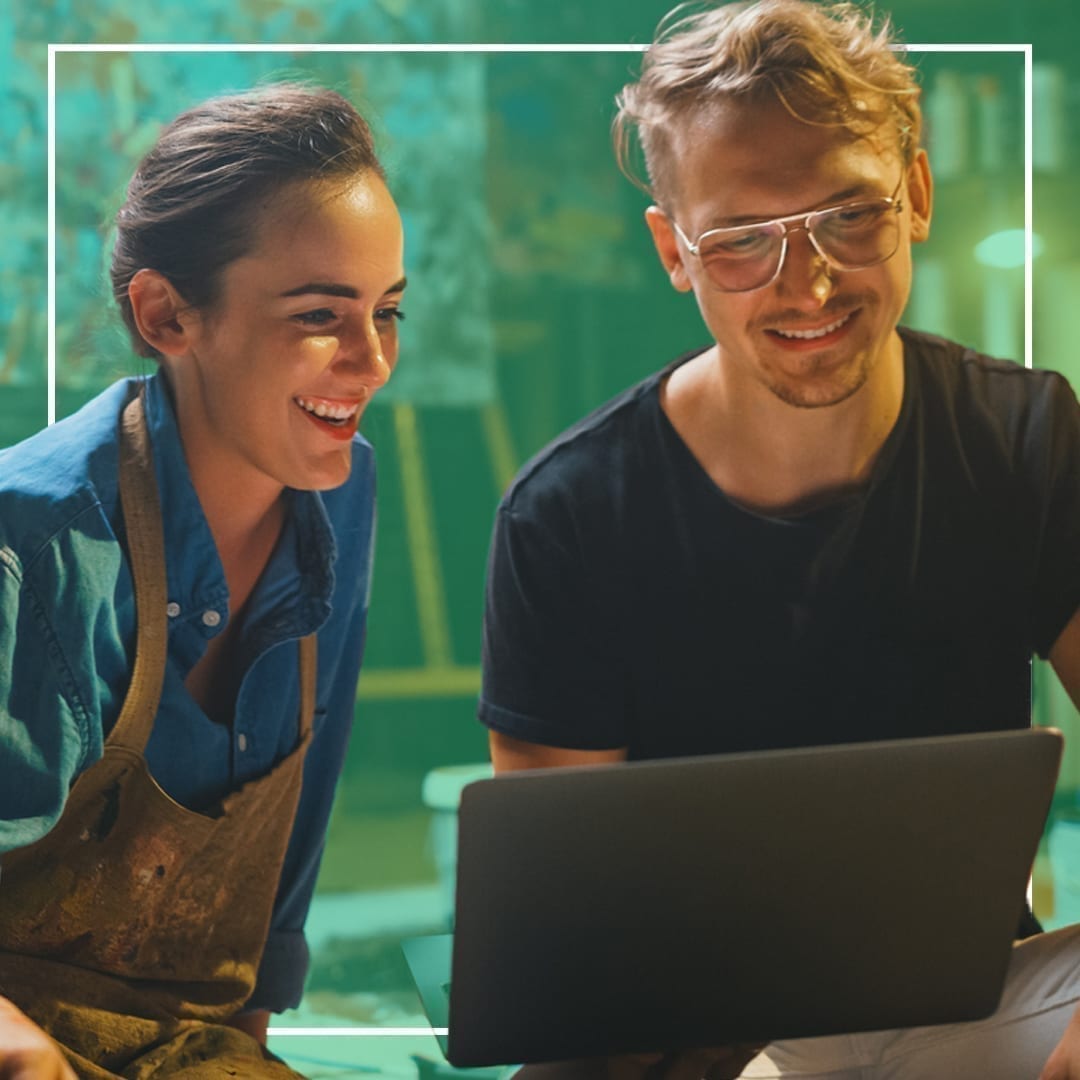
x: 26, y: 1052
x: 1064, y: 1062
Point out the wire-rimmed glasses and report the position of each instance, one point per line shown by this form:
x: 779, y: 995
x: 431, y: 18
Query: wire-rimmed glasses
x: 851, y: 236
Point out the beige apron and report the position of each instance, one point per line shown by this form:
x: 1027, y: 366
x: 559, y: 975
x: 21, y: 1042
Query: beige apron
x: 136, y: 924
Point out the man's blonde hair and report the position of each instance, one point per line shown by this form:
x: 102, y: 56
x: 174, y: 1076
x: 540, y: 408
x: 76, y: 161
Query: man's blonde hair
x: 825, y: 63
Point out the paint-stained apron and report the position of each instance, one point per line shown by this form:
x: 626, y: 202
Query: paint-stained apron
x: 135, y: 925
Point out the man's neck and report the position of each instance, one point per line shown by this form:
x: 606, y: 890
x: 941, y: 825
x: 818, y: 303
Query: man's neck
x: 775, y: 457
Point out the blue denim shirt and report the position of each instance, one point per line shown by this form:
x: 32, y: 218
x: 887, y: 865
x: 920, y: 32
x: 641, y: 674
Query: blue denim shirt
x: 67, y: 631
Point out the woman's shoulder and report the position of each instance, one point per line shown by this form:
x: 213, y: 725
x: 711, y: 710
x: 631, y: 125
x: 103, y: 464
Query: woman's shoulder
x: 52, y: 479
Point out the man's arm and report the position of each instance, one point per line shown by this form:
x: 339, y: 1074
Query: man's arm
x: 1065, y: 658
x: 1064, y: 1062
x: 508, y: 754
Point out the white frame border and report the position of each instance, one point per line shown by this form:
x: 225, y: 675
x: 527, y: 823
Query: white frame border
x: 190, y: 47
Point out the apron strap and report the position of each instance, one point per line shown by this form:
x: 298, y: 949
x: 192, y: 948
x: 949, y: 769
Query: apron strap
x: 308, y: 669
x: 146, y: 551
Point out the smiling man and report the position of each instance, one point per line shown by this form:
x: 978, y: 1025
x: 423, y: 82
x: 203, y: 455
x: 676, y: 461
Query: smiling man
x: 821, y: 528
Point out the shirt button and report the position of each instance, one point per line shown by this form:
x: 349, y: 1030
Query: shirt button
x: 172, y: 609
x: 241, y: 742
x: 211, y: 618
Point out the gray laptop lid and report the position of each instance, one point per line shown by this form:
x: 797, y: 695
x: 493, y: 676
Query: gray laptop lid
x: 662, y: 905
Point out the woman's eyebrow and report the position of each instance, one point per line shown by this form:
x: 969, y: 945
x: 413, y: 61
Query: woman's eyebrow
x: 333, y: 288
x: 323, y: 288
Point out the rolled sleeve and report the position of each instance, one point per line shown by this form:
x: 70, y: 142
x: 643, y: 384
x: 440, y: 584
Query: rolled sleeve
x: 549, y: 673
x: 280, y: 982
x: 41, y: 737
x: 1052, y: 451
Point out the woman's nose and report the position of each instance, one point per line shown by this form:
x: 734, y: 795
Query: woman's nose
x: 367, y: 353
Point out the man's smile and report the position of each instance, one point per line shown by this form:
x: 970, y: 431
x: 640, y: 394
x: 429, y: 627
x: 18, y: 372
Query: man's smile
x: 806, y: 335
x: 803, y: 335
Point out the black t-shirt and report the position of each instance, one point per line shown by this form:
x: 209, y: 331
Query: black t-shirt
x: 631, y: 603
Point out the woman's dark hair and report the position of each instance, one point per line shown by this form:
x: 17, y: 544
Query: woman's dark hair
x: 193, y: 203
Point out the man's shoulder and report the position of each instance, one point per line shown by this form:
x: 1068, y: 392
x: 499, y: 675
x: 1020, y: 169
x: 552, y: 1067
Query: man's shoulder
x: 948, y: 368
x: 996, y: 413
x: 595, y: 452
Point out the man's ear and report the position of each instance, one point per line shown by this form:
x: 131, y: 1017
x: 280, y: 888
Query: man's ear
x: 667, y: 247
x: 161, y: 313
x: 920, y: 188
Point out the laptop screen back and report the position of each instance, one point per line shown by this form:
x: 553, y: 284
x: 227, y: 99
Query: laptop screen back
x: 669, y: 904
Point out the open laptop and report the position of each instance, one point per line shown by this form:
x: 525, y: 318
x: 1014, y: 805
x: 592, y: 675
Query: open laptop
x: 662, y: 905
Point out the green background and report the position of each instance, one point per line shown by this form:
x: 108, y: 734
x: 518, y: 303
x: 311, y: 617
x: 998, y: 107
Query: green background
x: 534, y: 295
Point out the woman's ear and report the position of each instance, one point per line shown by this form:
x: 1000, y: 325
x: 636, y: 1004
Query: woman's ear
x: 160, y: 313
x: 667, y: 247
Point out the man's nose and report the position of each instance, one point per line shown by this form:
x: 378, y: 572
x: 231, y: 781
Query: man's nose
x: 805, y: 277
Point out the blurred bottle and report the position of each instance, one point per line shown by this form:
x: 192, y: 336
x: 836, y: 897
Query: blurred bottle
x: 990, y: 112
x: 1049, y: 134
x: 948, y: 125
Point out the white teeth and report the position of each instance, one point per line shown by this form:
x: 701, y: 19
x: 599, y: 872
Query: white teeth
x: 806, y: 335
x: 326, y: 410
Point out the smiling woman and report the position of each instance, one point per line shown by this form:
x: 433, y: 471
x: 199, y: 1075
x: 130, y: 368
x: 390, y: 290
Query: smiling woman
x: 308, y: 314
x: 184, y: 585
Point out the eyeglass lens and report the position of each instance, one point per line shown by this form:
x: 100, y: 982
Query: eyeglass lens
x: 849, y: 237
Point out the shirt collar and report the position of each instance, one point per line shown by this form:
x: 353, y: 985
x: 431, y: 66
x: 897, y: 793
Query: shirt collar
x: 194, y: 575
